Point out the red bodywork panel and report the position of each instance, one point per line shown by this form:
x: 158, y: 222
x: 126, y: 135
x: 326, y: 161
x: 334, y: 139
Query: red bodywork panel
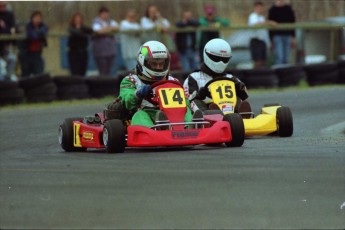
x: 139, y: 136
x: 91, y: 135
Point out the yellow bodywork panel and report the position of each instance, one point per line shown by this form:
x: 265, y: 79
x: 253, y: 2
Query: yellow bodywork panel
x: 263, y: 124
x: 223, y: 93
x: 76, y: 137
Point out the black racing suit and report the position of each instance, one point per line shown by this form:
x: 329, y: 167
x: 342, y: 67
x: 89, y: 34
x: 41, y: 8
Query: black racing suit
x: 197, y: 80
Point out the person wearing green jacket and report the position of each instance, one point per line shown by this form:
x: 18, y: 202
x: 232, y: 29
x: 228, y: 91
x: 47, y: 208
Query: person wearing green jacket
x: 210, y: 20
x: 153, y: 65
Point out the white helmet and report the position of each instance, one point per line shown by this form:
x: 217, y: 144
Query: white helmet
x: 153, y: 61
x: 217, y: 55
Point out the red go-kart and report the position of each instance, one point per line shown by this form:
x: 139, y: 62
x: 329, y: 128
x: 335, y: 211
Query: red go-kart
x: 78, y: 134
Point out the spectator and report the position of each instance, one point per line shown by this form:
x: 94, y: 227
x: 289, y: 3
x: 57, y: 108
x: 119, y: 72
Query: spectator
x: 130, y: 43
x: 212, y: 21
x: 31, y: 54
x: 258, y: 47
x: 7, y: 26
x: 78, y: 42
x: 282, y: 39
x: 155, y: 22
x: 103, y: 44
x: 186, y: 42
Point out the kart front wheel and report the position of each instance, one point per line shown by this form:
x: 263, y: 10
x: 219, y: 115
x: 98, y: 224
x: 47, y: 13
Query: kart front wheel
x: 237, y: 129
x: 66, y: 137
x: 114, y: 136
x: 284, y: 122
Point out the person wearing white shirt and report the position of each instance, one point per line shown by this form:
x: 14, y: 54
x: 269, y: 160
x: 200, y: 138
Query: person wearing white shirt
x: 130, y: 42
x: 103, y: 43
x: 154, y: 23
x: 259, y: 39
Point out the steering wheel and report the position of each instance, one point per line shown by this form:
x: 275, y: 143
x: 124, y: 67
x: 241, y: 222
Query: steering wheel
x: 216, y: 79
x: 158, y: 83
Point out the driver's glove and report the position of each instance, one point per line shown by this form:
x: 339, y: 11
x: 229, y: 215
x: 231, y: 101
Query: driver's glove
x: 143, y: 91
x: 241, y: 90
x: 203, y: 93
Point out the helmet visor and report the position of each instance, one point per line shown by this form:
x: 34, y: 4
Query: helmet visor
x: 218, y: 58
x: 157, y: 64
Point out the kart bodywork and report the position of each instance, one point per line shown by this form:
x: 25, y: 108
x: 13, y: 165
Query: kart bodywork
x: 78, y: 134
x: 273, y: 118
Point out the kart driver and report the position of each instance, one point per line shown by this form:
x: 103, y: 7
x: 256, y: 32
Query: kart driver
x: 153, y: 63
x: 217, y: 55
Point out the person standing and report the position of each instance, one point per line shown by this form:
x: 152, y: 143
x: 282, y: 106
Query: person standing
x: 260, y: 38
x: 186, y: 42
x: 78, y: 43
x: 280, y: 12
x: 130, y: 42
x: 7, y: 27
x: 103, y: 43
x: 210, y: 20
x: 31, y: 54
x: 154, y: 23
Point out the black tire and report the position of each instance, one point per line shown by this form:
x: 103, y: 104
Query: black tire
x: 323, y: 78
x: 290, y: 76
x: 260, y: 78
x: 103, y: 86
x: 34, y: 81
x: 341, y: 76
x: 75, y: 91
x: 68, y: 80
x: 41, y: 98
x: 4, y: 85
x: 11, y: 96
x: 42, y: 90
x: 237, y: 129
x: 284, y: 122
x: 114, y: 136
x: 66, y: 135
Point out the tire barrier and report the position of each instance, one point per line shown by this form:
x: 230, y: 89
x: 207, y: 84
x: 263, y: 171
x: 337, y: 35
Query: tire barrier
x: 260, y: 78
x: 341, y: 68
x: 103, y: 86
x: 290, y: 75
x: 321, y: 74
x: 39, y: 88
x: 73, y: 87
x: 10, y: 93
x: 44, y: 88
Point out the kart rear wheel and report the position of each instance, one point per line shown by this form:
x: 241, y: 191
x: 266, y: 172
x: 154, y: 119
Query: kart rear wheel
x: 284, y: 122
x: 237, y: 129
x: 66, y: 135
x: 114, y: 136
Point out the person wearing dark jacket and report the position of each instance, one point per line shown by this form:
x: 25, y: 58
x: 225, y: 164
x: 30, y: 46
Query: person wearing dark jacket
x: 7, y: 27
x: 212, y: 21
x: 282, y: 40
x: 78, y: 43
x: 186, y: 42
x: 31, y: 52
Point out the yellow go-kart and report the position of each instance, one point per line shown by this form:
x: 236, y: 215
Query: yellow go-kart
x: 273, y: 118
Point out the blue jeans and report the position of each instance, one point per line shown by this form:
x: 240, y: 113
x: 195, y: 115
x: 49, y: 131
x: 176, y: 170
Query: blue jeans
x: 281, y: 48
x: 188, y: 60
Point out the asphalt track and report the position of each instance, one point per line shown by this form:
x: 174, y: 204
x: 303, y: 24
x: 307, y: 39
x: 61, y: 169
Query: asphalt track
x: 270, y: 182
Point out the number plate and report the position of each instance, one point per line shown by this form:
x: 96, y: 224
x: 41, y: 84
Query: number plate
x: 223, y: 93
x: 172, y: 97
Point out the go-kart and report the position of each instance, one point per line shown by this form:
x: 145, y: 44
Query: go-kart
x: 273, y: 118
x: 100, y: 131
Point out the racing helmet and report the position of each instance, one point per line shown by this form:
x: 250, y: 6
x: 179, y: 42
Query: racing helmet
x: 153, y: 61
x: 217, y: 55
